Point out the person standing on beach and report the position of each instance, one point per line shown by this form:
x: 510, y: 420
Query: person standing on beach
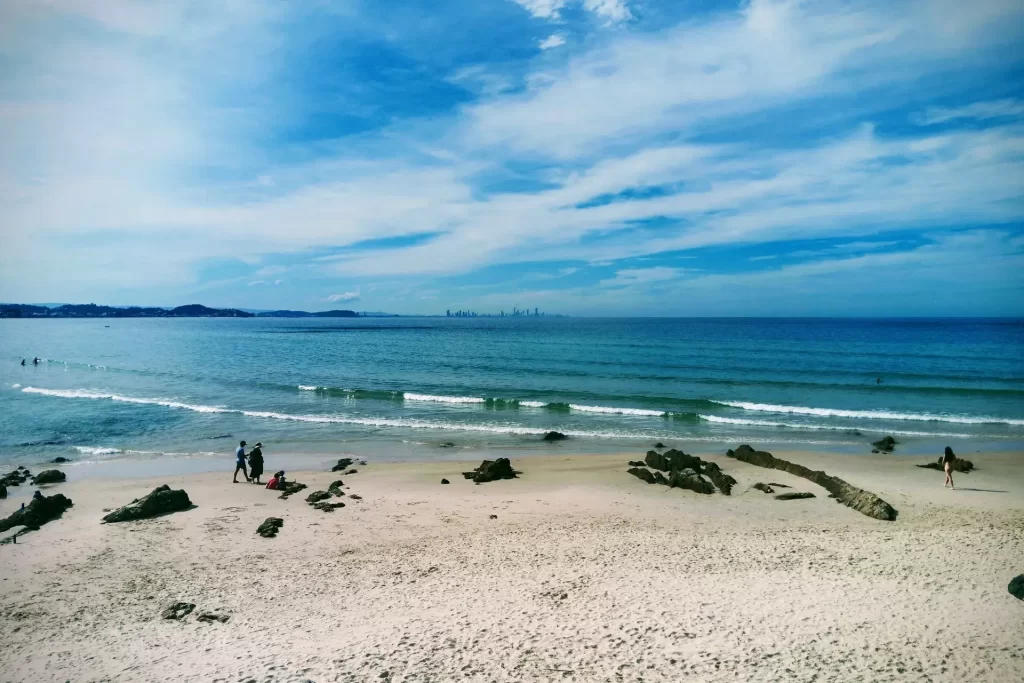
x: 948, y: 461
x: 240, y: 462
x: 256, y: 463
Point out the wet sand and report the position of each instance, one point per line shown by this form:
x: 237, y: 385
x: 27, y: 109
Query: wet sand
x: 586, y: 574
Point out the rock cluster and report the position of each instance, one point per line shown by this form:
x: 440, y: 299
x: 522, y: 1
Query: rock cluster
x: 38, y: 512
x: 317, y: 496
x: 335, y: 488
x: 490, y: 470
x: 161, y: 501
x: 321, y: 499
x: 343, y: 464
x: 684, y: 471
x: 270, y: 527
x: 49, y: 477
x: 860, y: 500
x: 15, y: 477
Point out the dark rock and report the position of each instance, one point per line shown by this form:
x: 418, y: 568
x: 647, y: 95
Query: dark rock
x: 163, y: 500
x: 352, y: 471
x: 874, y: 450
x: 764, y: 487
x: 445, y: 481
x: 317, y: 496
x: 672, y: 460
x: 446, y: 444
x: 723, y: 481
x: 328, y: 507
x: 490, y: 470
x: 38, y: 512
x: 178, y: 610
x: 3, y: 491
x: 335, y: 488
x: 642, y: 473
x: 342, y: 464
x: 885, y: 444
x: 637, y: 463
x: 860, y: 500
x: 1016, y: 587
x: 60, y: 459
x: 49, y: 477
x: 210, y: 617
x: 355, y: 497
x: 797, y: 495
x: 659, y: 478
x: 779, y: 486
x: 691, y: 480
x: 14, y: 478
x: 494, y: 516
x: 362, y: 463
x: 659, y: 445
x: 270, y: 527
x: 291, y: 488
x: 555, y: 436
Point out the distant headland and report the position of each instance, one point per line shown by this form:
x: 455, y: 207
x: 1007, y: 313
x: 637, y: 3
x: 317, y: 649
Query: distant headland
x: 189, y: 311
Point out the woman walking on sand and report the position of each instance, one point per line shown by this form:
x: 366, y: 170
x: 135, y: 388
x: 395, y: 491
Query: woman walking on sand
x: 948, y: 461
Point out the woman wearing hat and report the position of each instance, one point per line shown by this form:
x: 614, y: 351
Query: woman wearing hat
x: 240, y: 462
x: 256, y: 463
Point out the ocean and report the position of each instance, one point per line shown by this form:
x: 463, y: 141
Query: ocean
x: 146, y: 393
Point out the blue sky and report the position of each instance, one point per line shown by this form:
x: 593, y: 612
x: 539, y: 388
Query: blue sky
x: 772, y: 157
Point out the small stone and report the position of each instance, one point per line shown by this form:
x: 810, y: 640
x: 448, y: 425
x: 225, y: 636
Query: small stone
x: 178, y: 610
x: 445, y: 481
x: 494, y: 516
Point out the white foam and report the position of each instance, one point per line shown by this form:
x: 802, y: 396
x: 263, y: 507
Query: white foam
x: 868, y: 414
x: 740, y: 422
x: 532, y: 404
x: 80, y: 393
x: 97, y: 450
x: 443, y: 399
x: 306, y: 387
x: 15, y: 386
x: 604, y: 410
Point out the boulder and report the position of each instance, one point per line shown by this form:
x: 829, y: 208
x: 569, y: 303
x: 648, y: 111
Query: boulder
x: 38, y: 512
x: 885, y: 444
x: 291, y: 488
x: 690, y: 479
x: 343, y: 464
x: 270, y: 527
x: 796, y: 495
x: 555, y: 436
x: 1016, y: 587
x: 642, y: 473
x: 317, y: 496
x: 659, y: 445
x: 491, y: 470
x: 335, y: 488
x: 161, y: 501
x: 60, y: 459
x: 860, y: 500
x: 764, y: 487
x: 49, y: 477
x: 178, y: 610
x: 445, y: 481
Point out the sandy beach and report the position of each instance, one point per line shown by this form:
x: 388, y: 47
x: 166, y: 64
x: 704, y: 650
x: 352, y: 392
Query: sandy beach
x: 585, y: 574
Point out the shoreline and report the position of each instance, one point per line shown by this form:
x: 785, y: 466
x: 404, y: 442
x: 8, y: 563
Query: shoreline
x: 586, y: 574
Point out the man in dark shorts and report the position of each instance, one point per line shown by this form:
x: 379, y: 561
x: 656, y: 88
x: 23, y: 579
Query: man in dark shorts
x: 240, y: 462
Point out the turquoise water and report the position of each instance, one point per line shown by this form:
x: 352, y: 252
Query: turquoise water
x: 188, y: 389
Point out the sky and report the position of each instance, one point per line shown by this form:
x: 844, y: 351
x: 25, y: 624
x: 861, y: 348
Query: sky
x: 585, y: 157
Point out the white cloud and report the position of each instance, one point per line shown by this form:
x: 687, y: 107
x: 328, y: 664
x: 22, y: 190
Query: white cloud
x: 981, y: 111
x: 277, y: 282
x: 641, y: 276
x: 543, y: 9
x: 346, y: 296
x: 257, y: 282
x: 554, y: 40
x: 610, y: 10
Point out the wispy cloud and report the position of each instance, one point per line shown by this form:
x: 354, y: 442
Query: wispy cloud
x: 981, y: 111
x: 554, y: 40
x: 641, y: 276
x: 345, y: 296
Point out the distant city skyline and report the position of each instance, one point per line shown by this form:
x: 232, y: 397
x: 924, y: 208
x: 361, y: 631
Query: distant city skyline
x: 623, y: 157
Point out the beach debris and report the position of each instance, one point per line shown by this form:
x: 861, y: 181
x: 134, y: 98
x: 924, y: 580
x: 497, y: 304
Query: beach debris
x: 767, y: 488
x: 1016, y: 587
x: 178, y: 610
x: 860, y: 500
x: 445, y: 481
x: 555, y: 436
x: 659, y: 445
x: 674, y: 460
x: 60, y: 459
x: 796, y: 495
x: 39, y: 511
x: 291, y: 488
x: 326, y: 506
x: 270, y: 527
x: 343, y: 464
x: 491, y: 470
x: 885, y: 444
x: 335, y: 488
x: 210, y: 617
x: 162, y: 500
x: 49, y: 477
x: 317, y: 496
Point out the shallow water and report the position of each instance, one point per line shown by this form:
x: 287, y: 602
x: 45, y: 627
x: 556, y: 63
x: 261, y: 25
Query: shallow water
x: 155, y: 389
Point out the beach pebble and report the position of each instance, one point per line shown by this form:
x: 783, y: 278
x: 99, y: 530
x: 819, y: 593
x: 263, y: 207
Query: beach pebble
x: 445, y: 481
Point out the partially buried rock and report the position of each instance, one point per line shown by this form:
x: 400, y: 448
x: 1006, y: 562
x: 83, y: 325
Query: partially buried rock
x: 326, y: 506
x: 642, y: 473
x: 50, y: 477
x: 178, y: 610
x: 959, y: 464
x: 659, y: 445
x: 291, y: 488
x: 723, y: 481
x: 885, y: 444
x: 343, y: 464
x: 445, y: 481
x: 38, y: 512
x: 210, y: 617
x: 317, y: 496
x: 555, y: 436
x: 60, y: 459
x: 764, y: 487
x: 1016, y: 587
x: 161, y: 501
x: 14, y: 478
x: 491, y: 470
x: 797, y: 495
x: 690, y: 479
x: 352, y: 471
x: 356, y: 496
x: 270, y: 527
x: 637, y: 463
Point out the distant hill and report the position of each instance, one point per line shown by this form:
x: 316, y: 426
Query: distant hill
x: 306, y: 314
x: 94, y: 311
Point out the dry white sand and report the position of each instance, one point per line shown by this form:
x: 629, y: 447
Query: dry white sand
x: 587, y: 574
